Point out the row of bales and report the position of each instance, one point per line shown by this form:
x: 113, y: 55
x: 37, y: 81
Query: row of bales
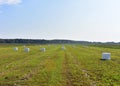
x: 26, y: 49
x: 105, y: 56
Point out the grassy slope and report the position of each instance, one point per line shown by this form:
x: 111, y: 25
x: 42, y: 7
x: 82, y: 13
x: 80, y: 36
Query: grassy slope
x: 76, y: 66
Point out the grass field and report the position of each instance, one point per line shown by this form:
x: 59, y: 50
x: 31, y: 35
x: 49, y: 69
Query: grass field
x: 74, y: 66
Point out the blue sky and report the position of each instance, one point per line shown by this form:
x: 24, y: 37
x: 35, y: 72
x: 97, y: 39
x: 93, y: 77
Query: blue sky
x: 89, y: 20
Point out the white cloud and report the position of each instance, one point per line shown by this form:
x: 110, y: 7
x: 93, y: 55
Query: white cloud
x: 10, y: 2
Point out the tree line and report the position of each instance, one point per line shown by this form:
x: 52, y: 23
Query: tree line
x: 42, y: 41
x: 56, y: 41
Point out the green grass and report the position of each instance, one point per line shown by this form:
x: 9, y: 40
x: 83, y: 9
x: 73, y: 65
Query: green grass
x: 75, y: 66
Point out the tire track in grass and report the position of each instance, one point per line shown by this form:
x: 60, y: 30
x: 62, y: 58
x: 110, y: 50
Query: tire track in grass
x: 78, y: 76
x: 66, y: 72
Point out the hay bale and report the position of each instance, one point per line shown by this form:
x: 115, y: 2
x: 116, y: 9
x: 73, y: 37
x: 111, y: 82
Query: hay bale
x: 26, y: 49
x: 15, y: 48
x: 106, y: 56
x: 42, y: 49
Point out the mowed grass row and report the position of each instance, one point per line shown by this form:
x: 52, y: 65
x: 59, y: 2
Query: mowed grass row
x: 74, y: 66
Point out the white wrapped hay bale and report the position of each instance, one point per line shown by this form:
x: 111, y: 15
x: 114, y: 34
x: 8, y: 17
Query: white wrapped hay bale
x: 106, y: 56
x: 15, y: 48
x: 26, y: 49
x: 42, y: 49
